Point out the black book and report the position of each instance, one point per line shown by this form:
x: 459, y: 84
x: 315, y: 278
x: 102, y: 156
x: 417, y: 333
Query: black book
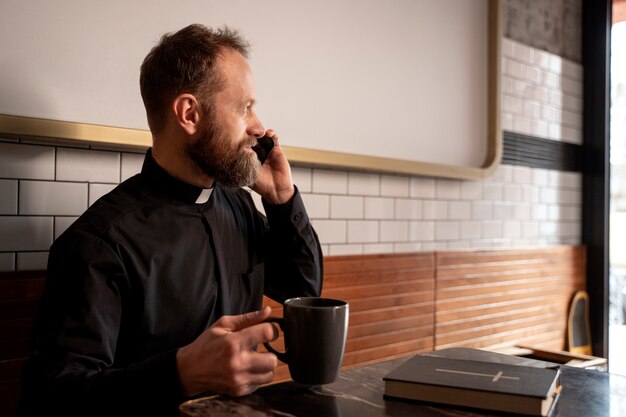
x: 475, y: 384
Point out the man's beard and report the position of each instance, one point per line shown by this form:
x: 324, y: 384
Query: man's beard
x: 219, y: 157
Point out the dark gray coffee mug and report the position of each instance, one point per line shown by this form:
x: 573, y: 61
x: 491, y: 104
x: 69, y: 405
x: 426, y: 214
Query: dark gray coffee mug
x: 315, y: 331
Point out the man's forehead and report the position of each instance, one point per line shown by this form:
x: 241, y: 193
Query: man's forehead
x: 237, y: 72
x: 230, y: 59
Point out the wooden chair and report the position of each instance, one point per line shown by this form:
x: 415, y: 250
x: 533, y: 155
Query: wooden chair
x: 578, y: 329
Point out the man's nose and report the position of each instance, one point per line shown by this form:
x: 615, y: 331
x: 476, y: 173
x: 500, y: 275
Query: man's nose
x: 255, y: 128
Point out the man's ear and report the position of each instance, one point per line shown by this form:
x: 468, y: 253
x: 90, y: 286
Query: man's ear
x: 187, y: 112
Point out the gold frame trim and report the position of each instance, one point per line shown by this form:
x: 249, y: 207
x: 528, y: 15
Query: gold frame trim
x: 31, y: 127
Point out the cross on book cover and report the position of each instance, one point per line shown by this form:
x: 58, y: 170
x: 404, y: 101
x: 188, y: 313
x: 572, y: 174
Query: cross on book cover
x: 494, y: 386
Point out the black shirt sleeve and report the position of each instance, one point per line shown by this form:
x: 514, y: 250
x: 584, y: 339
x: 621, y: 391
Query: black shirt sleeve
x: 293, y: 255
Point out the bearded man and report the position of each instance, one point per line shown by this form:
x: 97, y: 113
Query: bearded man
x: 154, y: 294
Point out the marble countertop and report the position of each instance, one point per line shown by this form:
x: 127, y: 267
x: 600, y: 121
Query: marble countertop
x: 358, y: 392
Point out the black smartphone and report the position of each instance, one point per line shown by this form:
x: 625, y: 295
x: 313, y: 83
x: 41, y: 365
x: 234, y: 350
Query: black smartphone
x: 263, y: 148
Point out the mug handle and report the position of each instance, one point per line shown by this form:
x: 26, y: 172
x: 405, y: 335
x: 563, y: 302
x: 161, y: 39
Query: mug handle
x: 280, y: 355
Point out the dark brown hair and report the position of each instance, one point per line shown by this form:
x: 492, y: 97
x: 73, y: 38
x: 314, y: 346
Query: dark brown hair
x: 185, y: 62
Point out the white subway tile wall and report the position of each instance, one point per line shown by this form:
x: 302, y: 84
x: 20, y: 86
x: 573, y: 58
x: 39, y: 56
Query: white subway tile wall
x: 363, y: 231
x: 8, y: 202
x: 329, y: 182
x: 25, y: 233
x: 26, y: 161
x: 379, y: 208
x: 87, y: 165
x: 394, y: 231
x: 363, y: 184
x: 98, y: 190
x: 44, y: 186
x: 408, y: 208
x: 32, y: 260
x: 131, y: 164
x: 331, y: 231
x: 61, y: 224
x: 422, y: 231
x: 346, y: 207
x: 380, y: 248
x: 394, y: 186
x: 7, y: 261
x: 302, y: 177
x: 52, y: 198
x: 542, y: 93
x: 317, y: 205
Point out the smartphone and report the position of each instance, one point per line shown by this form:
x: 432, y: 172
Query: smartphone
x: 263, y: 148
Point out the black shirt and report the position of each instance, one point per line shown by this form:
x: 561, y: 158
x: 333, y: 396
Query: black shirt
x: 143, y: 272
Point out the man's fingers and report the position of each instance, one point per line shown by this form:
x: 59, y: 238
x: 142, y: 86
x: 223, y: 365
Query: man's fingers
x: 258, y: 369
x: 236, y: 323
x: 255, y: 335
x: 255, y: 381
x: 262, y: 362
x: 261, y: 378
x: 272, y: 134
x: 276, y: 331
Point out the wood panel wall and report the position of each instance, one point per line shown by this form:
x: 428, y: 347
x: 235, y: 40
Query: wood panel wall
x: 491, y: 299
x: 400, y: 304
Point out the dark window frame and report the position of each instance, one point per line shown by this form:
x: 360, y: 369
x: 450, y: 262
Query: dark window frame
x: 596, y: 44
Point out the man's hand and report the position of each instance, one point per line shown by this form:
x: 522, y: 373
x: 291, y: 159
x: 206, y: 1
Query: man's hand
x: 222, y: 359
x: 275, y: 184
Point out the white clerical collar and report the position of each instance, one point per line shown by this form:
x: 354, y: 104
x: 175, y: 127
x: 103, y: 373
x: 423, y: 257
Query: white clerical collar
x: 204, y: 196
